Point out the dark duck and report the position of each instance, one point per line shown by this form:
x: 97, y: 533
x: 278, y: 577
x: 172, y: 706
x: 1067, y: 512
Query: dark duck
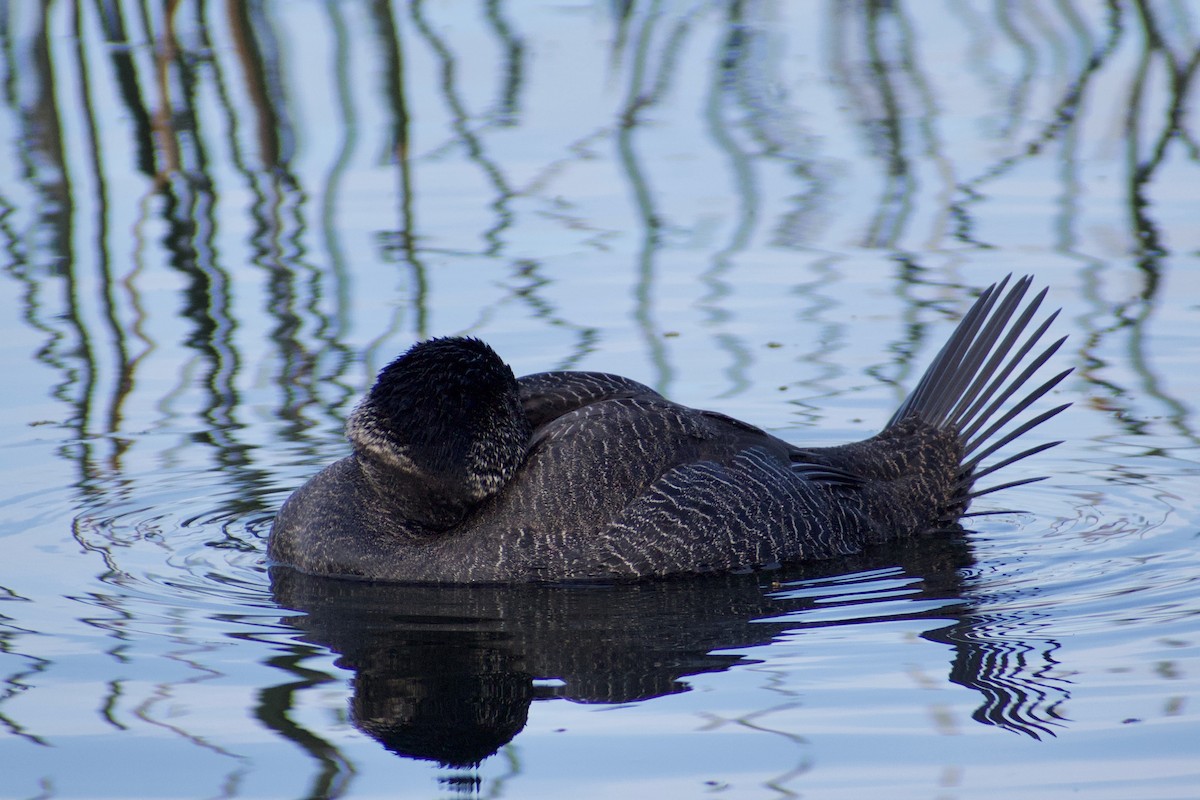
x: 463, y: 473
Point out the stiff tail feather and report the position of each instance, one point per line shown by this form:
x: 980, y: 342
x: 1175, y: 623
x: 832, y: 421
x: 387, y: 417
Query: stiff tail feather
x: 970, y: 385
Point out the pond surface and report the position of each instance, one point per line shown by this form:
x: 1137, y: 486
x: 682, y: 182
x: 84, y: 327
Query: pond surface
x: 218, y: 221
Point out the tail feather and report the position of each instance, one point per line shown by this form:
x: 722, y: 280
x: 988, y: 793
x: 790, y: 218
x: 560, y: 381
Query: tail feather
x: 919, y: 473
x: 968, y: 387
x: 970, y: 475
x: 1023, y: 429
x: 969, y: 378
x: 1002, y: 486
x: 990, y: 513
x: 995, y: 391
x: 935, y: 387
x: 978, y: 395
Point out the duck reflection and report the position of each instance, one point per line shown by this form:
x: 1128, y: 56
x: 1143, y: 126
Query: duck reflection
x: 448, y: 673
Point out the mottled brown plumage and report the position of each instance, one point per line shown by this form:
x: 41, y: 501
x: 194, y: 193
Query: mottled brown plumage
x: 462, y: 473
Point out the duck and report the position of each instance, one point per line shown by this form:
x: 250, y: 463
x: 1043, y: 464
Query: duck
x: 463, y: 473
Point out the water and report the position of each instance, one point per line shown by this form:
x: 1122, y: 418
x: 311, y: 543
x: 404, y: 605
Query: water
x: 217, y: 224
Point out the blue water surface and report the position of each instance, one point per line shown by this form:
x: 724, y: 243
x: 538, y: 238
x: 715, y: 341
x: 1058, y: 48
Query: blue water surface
x: 218, y: 221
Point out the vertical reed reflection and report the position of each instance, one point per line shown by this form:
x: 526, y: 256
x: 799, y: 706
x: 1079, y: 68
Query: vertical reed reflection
x: 336, y: 175
x: 22, y: 677
x: 728, y: 64
x: 402, y: 244
x: 871, y: 54
x: 275, y: 705
x: 124, y: 363
x: 875, y: 52
x: 128, y: 84
x: 464, y: 134
x: 1085, y: 68
x: 512, y: 71
x: 646, y: 87
x: 258, y: 54
x: 1180, y: 70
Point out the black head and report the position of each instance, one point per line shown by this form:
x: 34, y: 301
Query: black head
x: 443, y: 424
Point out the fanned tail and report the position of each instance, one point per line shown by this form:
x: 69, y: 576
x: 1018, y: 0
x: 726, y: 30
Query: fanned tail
x: 969, y: 387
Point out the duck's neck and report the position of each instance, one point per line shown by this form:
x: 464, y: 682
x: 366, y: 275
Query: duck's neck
x: 417, y: 501
x: 435, y: 482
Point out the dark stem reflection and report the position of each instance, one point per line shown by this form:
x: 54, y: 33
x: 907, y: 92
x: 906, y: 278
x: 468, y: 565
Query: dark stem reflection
x: 448, y: 674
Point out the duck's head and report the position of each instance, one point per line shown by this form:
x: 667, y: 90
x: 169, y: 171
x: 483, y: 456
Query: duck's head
x: 441, y: 430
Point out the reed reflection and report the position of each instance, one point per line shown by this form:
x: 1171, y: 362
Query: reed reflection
x: 202, y: 102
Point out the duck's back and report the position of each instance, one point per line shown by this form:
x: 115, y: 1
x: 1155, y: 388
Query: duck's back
x: 470, y: 475
x: 617, y: 482
x: 620, y: 482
